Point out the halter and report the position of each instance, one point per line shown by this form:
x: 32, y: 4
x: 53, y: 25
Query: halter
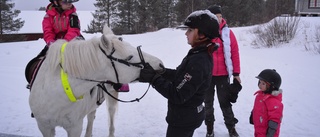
x: 140, y: 65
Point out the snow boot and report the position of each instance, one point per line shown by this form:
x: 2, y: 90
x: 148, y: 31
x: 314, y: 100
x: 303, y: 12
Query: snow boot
x: 210, y: 135
x: 233, y: 132
x: 210, y: 128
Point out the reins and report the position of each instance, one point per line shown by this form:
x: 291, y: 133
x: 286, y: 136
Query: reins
x: 125, y: 62
x: 103, y: 87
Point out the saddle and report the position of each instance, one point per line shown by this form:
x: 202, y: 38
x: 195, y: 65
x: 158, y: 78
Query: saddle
x: 33, y: 66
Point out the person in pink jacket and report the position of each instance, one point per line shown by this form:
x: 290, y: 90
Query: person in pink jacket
x: 267, y: 111
x: 226, y: 64
x: 61, y: 21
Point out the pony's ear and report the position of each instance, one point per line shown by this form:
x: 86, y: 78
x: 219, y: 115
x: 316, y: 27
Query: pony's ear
x: 105, y: 41
x: 107, y: 30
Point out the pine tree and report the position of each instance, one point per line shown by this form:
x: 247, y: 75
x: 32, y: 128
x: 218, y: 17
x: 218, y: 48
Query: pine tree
x: 126, y: 17
x: 184, y: 7
x: 278, y: 7
x: 257, y: 11
x: 42, y: 9
x: 162, y: 14
x: 8, y: 23
x: 143, y: 16
x: 105, y: 12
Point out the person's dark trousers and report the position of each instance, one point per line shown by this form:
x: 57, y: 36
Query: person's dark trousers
x: 177, y: 131
x: 222, y: 85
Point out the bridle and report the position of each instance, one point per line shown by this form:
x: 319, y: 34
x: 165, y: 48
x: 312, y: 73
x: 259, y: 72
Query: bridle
x: 124, y: 61
x: 116, y: 85
x: 140, y: 65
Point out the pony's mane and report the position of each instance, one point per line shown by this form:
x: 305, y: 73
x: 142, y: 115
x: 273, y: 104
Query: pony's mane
x: 80, y: 56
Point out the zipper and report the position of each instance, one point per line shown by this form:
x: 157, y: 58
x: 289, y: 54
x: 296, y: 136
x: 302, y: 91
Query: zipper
x: 64, y: 21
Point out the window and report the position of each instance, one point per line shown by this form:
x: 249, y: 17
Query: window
x: 314, y: 3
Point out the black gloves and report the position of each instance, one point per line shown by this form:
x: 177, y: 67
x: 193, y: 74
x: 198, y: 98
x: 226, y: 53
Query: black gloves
x: 148, y: 74
x: 251, y: 118
x: 234, y: 89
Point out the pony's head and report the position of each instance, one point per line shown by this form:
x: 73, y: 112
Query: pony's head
x: 127, y: 60
x: 105, y: 58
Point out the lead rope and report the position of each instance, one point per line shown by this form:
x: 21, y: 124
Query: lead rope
x: 103, y: 87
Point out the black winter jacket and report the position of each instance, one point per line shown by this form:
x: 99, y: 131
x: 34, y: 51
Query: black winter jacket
x: 185, y: 87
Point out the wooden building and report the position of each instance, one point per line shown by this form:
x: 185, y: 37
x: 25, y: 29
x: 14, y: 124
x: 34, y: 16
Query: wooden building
x: 307, y: 7
x: 20, y: 37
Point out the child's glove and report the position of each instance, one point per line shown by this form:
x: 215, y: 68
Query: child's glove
x: 272, y: 128
x: 251, y: 118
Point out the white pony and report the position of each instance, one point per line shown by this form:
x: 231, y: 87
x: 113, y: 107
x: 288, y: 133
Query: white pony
x: 85, y: 63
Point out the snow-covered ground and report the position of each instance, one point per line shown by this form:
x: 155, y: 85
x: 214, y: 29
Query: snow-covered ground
x: 299, y: 70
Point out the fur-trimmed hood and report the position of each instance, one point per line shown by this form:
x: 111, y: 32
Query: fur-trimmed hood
x: 276, y: 92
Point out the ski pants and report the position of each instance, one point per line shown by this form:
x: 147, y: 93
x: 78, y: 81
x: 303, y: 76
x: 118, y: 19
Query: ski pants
x: 222, y: 87
x: 178, y: 131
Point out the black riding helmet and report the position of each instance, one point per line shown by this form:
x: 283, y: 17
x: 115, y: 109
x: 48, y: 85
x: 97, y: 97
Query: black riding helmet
x: 66, y: 1
x: 215, y: 9
x: 204, y: 21
x: 272, y: 77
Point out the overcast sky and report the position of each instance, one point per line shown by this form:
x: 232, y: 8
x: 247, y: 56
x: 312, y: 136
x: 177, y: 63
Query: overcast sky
x: 36, y: 4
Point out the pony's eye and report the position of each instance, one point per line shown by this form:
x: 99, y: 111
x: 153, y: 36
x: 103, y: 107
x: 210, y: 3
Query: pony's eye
x: 129, y: 58
x: 120, y: 38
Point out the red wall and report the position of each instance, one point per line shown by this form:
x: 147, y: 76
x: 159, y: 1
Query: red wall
x: 20, y: 37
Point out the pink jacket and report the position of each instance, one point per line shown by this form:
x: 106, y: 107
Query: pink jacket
x: 267, y: 107
x: 219, y: 67
x: 56, y: 26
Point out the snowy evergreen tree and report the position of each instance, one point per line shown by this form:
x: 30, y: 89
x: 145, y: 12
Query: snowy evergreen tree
x: 184, y: 7
x: 166, y: 14
x: 106, y: 10
x: 278, y: 7
x: 139, y: 16
x: 144, y: 15
x: 126, y: 17
x: 159, y: 14
x: 8, y: 23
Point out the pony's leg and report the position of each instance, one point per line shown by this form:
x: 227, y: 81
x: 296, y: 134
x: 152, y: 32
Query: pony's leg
x: 90, y: 118
x: 112, y: 105
x: 76, y: 130
x: 46, y: 131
